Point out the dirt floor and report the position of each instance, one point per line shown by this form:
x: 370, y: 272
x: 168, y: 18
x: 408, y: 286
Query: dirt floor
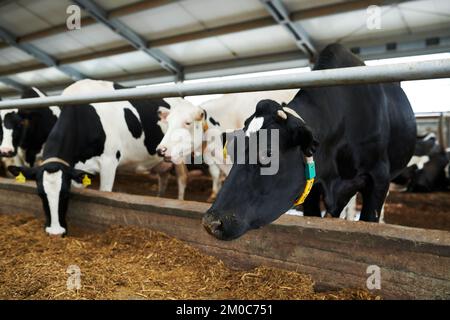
x: 421, y: 210
x: 133, y: 263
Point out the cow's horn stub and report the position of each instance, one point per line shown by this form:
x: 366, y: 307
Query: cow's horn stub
x: 282, y: 114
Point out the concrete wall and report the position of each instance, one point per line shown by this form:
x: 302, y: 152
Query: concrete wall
x: 415, y: 263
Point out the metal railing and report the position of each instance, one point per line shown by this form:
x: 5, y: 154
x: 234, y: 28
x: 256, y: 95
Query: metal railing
x: 344, y: 76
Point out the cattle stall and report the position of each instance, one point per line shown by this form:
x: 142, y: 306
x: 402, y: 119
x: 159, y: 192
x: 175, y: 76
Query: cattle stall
x: 414, y: 261
x: 95, y: 204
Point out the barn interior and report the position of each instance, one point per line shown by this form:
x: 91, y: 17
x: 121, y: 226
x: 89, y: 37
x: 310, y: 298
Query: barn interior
x: 49, y: 44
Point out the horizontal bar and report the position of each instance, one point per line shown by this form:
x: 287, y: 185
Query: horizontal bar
x: 343, y: 76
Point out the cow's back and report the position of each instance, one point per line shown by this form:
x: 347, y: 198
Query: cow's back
x: 231, y: 110
x: 403, y: 128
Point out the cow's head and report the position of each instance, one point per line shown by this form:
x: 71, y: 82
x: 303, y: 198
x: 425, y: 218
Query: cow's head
x: 179, y: 125
x: 53, y: 182
x: 13, y: 126
x: 249, y: 199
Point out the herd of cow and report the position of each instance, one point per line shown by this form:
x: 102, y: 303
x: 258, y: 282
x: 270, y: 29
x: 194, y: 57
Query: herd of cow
x: 351, y: 139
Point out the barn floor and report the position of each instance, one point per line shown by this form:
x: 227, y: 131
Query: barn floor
x: 430, y: 211
x: 133, y: 263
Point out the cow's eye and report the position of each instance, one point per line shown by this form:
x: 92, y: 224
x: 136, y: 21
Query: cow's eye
x: 188, y: 123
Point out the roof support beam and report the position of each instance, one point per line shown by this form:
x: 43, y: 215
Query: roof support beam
x: 132, y: 37
x: 282, y: 16
x: 13, y: 84
x: 313, y: 12
x: 39, y: 55
x: 385, y: 47
x: 114, y: 13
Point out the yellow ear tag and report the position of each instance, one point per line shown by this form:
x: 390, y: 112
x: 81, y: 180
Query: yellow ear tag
x: 86, y: 181
x: 21, y: 178
x: 225, y: 153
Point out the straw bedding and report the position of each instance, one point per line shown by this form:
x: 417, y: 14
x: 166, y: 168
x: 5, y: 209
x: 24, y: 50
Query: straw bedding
x: 133, y: 263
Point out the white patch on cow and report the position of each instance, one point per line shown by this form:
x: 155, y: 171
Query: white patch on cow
x: 7, y: 141
x: 381, y: 219
x: 52, y: 183
x: 255, y: 125
x: 397, y: 187
x: 419, y: 161
x: 349, y: 212
x: 429, y: 136
x: 294, y: 212
x: 55, y: 110
x: 118, y: 136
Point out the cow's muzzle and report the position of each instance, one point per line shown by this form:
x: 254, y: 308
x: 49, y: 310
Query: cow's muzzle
x: 212, y: 225
x: 7, y: 152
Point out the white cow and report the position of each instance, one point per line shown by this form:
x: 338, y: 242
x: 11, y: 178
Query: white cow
x: 226, y: 113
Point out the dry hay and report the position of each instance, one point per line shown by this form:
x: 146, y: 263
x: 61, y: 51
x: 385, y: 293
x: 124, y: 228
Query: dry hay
x: 133, y: 263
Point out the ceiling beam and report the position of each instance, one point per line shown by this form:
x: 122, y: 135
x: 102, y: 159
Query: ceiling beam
x: 197, y: 35
x: 39, y: 55
x: 13, y: 84
x: 87, y: 21
x: 313, y: 12
x: 138, y: 42
x: 285, y: 60
x: 282, y: 16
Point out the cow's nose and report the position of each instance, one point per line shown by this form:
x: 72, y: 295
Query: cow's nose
x: 6, y: 152
x: 161, y: 151
x: 212, y: 225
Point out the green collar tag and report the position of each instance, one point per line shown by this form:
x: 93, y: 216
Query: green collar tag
x: 310, y: 170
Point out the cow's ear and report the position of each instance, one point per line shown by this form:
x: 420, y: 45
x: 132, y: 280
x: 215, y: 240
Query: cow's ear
x: 29, y: 173
x: 302, y: 136
x: 199, y: 115
x: 163, y: 113
x: 78, y: 175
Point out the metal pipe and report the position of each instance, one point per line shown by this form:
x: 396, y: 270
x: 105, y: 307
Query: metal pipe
x: 344, y: 76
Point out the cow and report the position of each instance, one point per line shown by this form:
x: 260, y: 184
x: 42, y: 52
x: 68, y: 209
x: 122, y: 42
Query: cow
x: 24, y: 131
x: 94, y: 138
x: 352, y: 138
x: 427, y: 170
x: 222, y: 114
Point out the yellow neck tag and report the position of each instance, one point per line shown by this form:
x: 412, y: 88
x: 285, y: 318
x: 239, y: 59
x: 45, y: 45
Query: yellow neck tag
x: 86, y: 181
x: 21, y: 178
x: 306, y: 191
x: 205, y: 126
x: 225, y: 153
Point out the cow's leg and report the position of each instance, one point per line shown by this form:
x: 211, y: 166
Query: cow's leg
x: 374, y: 195
x: 181, y: 172
x: 311, y: 206
x: 349, y: 211
x: 108, y: 169
x: 214, y: 170
x: 163, y: 180
x: 341, y: 192
x: 381, y: 220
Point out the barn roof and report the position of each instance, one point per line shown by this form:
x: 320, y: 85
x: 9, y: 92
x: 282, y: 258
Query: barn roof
x: 145, y: 42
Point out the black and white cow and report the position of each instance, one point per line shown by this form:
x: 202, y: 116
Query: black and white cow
x: 24, y: 131
x: 427, y: 170
x: 366, y: 135
x: 95, y: 138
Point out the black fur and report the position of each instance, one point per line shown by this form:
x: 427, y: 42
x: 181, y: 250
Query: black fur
x: 366, y: 136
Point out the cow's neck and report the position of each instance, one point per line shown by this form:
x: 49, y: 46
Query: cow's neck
x: 36, y: 131
x: 76, y: 136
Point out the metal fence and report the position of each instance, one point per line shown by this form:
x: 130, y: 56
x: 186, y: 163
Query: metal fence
x: 344, y: 76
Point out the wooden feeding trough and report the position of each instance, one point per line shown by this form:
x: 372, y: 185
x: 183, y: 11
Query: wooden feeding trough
x: 414, y: 263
